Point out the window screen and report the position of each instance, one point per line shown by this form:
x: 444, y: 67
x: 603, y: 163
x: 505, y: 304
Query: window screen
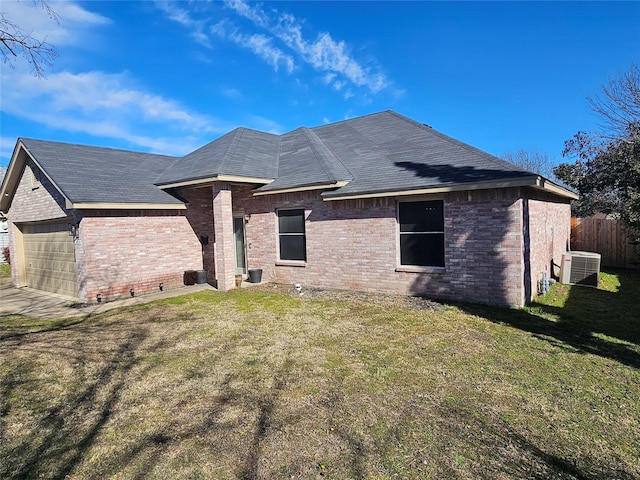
x: 421, y: 233
x: 291, y: 235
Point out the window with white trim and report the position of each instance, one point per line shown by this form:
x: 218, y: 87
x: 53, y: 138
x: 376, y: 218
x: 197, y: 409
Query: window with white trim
x: 291, y: 235
x: 421, y: 233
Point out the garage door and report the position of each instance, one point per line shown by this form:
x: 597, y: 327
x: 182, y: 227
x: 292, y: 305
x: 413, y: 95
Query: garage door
x: 50, y: 258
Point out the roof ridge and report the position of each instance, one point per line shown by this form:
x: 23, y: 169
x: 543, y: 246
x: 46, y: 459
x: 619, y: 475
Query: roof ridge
x: 278, y: 152
x: 466, y: 146
x: 97, y: 147
x: 232, y: 147
x: 308, y: 132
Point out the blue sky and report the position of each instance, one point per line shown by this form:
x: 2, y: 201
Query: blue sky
x: 168, y: 77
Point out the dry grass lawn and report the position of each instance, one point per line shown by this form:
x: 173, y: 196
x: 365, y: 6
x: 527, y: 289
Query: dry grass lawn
x: 258, y: 384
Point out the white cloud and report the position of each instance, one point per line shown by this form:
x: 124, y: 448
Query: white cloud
x: 111, y: 106
x: 183, y: 17
x: 232, y: 93
x: 323, y: 53
x: 256, y: 15
x: 69, y: 19
x: 329, y: 78
x: 261, y: 45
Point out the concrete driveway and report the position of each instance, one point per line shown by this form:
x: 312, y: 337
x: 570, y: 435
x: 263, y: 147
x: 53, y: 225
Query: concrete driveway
x: 35, y: 303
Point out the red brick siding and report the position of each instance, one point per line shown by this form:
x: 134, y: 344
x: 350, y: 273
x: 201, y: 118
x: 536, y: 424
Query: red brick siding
x: 549, y: 233
x: 135, y: 250
x: 354, y: 244
x: 115, y: 249
x: 224, y: 247
x: 200, y: 217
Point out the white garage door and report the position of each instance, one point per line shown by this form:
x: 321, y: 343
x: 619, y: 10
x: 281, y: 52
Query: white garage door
x: 50, y: 258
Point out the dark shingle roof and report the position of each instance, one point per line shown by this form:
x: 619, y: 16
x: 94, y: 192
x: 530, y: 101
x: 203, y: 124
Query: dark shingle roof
x: 377, y: 153
x: 305, y: 160
x: 242, y: 152
x: 101, y: 175
x: 387, y: 152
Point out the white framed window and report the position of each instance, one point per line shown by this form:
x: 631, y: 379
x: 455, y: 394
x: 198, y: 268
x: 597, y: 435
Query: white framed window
x: 292, y: 242
x: 421, y: 233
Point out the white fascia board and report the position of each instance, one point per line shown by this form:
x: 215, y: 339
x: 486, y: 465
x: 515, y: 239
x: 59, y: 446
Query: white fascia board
x: 218, y: 178
x: 534, y: 181
x: 549, y: 186
x: 12, y: 176
x: 126, y: 206
x: 528, y: 181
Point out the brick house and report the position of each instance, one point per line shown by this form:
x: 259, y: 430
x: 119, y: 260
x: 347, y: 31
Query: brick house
x: 375, y: 203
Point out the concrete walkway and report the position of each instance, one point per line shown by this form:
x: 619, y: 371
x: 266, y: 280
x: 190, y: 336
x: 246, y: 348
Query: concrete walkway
x: 36, y: 303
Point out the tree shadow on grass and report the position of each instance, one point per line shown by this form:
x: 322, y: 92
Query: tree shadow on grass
x: 508, y: 451
x: 111, y: 359
x: 592, y: 321
x: 266, y: 404
x: 61, y: 428
x: 57, y: 446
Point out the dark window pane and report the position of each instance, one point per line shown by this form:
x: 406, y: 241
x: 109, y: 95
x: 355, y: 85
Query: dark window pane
x: 424, y: 250
x: 421, y: 216
x: 291, y: 221
x: 292, y: 247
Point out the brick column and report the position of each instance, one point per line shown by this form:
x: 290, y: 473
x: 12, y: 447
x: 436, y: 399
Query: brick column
x: 224, y: 242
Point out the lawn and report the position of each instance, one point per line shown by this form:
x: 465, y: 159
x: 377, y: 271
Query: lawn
x: 5, y: 270
x: 260, y: 384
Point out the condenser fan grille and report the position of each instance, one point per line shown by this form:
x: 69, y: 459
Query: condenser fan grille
x: 580, y: 268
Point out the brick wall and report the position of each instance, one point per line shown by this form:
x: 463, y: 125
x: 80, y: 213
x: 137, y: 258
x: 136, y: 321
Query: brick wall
x: 549, y: 234
x: 136, y: 249
x: 353, y: 244
x: 224, y: 247
x: 32, y: 203
x: 117, y: 249
x: 200, y: 217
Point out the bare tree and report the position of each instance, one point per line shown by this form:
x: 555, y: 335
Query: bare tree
x: 533, y: 161
x: 15, y: 41
x: 618, y: 106
x: 606, y: 164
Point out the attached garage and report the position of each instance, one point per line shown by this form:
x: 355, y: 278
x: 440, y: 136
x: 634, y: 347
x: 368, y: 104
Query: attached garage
x: 49, y: 258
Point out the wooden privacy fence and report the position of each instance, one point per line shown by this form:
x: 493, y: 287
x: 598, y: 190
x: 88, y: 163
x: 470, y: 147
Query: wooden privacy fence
x: 607, y: 237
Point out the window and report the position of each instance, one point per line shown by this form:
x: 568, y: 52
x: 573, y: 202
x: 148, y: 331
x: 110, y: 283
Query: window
x: 291, y: 235
x: 421, y: 233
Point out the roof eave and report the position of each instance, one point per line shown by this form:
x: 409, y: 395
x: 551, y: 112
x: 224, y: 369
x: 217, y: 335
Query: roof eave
x: 549, y: 186
x: 302, y: 188
x: 126, y: 206
x: 534, y: 181
x: 216, y: 178
x: 14, y: 172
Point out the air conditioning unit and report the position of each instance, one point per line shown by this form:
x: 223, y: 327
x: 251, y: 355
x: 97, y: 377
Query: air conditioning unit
x: 580, y: 268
